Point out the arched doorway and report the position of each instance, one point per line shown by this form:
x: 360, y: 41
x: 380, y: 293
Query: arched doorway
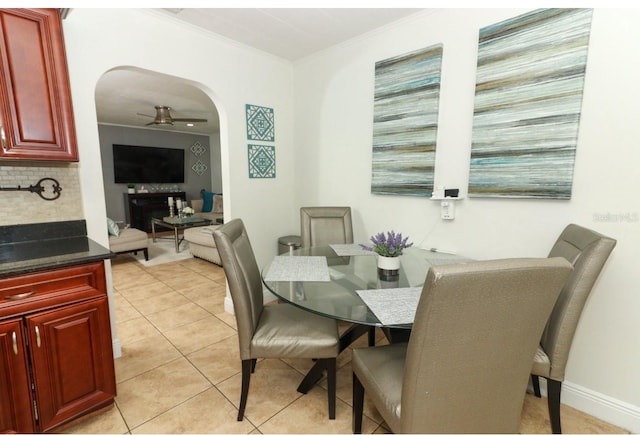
x: 126, y: 100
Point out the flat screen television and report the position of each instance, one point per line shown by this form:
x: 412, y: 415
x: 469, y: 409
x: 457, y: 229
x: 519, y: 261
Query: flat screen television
x: 140, y: 164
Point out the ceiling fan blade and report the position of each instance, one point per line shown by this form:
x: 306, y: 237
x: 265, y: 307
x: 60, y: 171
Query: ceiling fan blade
x: 144, y: 114
x: 190, y: 120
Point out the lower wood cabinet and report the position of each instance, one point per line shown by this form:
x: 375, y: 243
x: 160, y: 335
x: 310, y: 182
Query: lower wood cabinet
x: 16, y: 406
x: 56, y: 363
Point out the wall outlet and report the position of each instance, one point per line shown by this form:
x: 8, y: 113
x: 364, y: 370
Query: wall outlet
x: 447, y: 210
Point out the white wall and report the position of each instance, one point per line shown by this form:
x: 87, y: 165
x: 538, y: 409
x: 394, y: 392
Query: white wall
x: 334, y: 91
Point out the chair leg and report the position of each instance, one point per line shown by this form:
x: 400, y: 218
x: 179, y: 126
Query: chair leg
x: 553, y: 399
x: 372, y: 336
x: 331, y: 387
x: 146, y: 254
x: 246, y: 377
x: 253, y: 365
x: 358, y: 405
x: 535, y: 381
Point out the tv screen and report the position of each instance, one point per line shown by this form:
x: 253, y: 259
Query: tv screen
x: 138, y: 164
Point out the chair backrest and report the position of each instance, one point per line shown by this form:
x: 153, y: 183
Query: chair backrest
x: 476, y: 330
x: 587, y: 251
x: 321, y: 226
x: 243, y: 276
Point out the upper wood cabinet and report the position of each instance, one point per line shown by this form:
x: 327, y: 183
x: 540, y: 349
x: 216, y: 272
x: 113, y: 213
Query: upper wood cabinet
x: 35, y: 101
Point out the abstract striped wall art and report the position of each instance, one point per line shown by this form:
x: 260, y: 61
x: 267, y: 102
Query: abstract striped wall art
x: 405, y: 118
x: 528, y: 97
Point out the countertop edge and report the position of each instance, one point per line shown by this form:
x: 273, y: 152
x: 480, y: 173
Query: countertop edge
x: 94, y: 252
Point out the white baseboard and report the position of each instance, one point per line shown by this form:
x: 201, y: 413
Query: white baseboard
x: 117, y: 348
x: 614, y: 411
x: 228, y: 303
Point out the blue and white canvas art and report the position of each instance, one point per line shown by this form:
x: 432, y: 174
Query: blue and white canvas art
x: 260, y: 123
x: 405, y: 119
x: 262, y: 161
x: 528, y: 99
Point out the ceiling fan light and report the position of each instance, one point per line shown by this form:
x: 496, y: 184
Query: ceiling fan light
x: 162, y: 115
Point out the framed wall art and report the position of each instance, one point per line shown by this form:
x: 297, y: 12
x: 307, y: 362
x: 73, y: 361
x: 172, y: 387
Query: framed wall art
x: 405, y: 118
x: 528, y: 98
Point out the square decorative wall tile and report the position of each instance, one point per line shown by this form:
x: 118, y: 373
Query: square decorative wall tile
x: 198, y: 149
x: 262, y: 161
x: 199, y: 168
x: 260, y: 123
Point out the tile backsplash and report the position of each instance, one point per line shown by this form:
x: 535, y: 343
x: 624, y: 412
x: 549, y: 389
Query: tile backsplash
x: 24, y: 207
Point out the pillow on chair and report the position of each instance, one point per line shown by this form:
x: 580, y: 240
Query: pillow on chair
x: 113, y: 228
x: 207, y: 204
x: 217, y: 203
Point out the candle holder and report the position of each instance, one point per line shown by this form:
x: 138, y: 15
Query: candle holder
x: 170, y: 210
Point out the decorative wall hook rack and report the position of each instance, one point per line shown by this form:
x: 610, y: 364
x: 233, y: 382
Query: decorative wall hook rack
x: 40, y: 188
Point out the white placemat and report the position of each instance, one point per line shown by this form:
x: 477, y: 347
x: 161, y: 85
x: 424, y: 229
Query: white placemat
x: 393, y: 306
x: 298, y: 268
x: 438, y: 258
x: 349, y: 250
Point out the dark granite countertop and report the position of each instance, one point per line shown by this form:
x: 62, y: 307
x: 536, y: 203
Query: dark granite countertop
x: 37, y: 247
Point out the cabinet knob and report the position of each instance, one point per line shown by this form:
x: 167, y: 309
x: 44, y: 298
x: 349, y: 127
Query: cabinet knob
x: 38, y: 336
x: 3, y: 138
x: 14, y: 339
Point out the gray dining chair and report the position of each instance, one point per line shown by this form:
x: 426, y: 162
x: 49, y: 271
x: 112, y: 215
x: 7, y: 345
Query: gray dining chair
x: 271, y: 331
x: 466, y: 366
x: 322, y: 226
x: 587, y: 251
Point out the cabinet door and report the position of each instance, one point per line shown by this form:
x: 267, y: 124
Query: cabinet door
x: 16, y: 406
x: 35, y: 99
x: 72, y: 361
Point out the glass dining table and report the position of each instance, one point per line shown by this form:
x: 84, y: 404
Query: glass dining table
x: 351, y: 271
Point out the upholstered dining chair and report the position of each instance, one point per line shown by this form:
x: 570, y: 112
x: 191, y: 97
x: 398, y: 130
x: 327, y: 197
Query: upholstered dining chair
x: 271, y: 331
x: 587, y: 251
x: 466, y: 366
x: 321, y: 226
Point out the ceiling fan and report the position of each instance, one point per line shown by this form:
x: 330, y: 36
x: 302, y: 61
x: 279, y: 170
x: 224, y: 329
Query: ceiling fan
x: 163, y: 117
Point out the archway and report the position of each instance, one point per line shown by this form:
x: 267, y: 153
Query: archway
x: 125, y: 104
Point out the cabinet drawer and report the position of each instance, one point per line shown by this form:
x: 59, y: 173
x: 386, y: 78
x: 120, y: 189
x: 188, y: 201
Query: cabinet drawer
x: 27, y: 293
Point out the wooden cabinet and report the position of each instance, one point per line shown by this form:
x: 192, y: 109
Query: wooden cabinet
x: 57, y: 359
x: 35, y: 100
x: 16, y: 406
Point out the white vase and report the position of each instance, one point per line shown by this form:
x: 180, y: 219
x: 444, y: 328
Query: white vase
x: 388, y: 263
x: 388, y: 268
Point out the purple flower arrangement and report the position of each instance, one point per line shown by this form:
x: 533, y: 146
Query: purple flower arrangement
x: 390, y: 245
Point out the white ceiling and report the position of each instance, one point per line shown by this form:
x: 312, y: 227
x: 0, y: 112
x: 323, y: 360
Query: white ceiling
x: 284, y: 32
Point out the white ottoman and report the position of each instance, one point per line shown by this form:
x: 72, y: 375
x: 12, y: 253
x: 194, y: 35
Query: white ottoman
x: 201, y: 243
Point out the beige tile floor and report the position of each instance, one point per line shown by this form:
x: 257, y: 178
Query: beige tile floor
x: 180, y: 370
